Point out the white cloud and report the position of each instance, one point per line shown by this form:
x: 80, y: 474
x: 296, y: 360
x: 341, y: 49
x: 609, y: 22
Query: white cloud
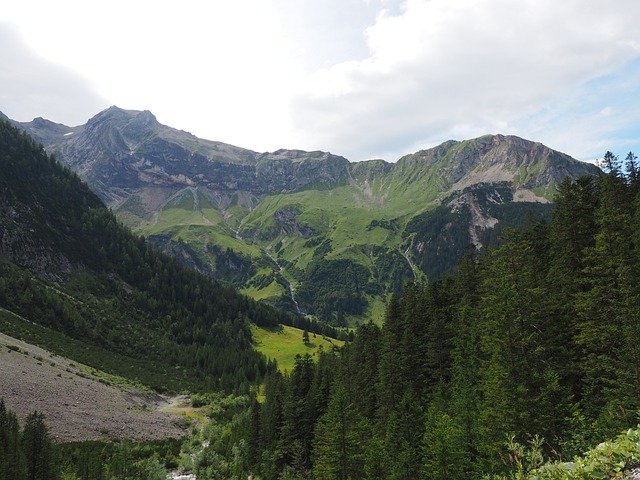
x: 360, y: 78
x: 468, y: 67
x: 31, y: 86
x: 218, y: 69
x: 606, y: 112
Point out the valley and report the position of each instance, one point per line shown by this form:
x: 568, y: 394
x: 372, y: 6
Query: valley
x: 511, y: 356
x: 309, y: 222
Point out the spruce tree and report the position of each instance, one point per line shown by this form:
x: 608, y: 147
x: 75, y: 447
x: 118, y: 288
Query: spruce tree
x: 404, y: 437
x: 339, y: 440
x: 12, y: 461
x: 38, y: 448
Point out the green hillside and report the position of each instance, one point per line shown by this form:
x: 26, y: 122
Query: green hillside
x: 69, y: 266
x: 310, y: 232
x: 339, y: 252
x: 511, y: 368
x: 284, y: 343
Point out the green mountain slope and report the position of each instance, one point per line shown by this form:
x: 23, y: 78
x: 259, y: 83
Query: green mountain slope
x: 309, y: 231
x: 67, y: 264
x: 527, y: 353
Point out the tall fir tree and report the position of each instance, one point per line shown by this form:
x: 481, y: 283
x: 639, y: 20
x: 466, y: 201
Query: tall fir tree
x: 38, y: 448
x: 339, y: 440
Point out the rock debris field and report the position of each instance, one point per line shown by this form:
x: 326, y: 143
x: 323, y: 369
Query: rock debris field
x: 77, y: 403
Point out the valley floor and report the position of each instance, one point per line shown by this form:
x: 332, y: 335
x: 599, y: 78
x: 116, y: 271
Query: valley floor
x: 78, y: 402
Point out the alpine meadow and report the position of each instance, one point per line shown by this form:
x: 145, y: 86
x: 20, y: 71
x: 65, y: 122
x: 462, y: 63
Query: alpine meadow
x: 469, y: 311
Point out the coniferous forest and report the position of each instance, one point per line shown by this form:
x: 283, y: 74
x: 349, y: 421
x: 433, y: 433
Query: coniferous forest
x: 530, y: 346
x: 528, y: 353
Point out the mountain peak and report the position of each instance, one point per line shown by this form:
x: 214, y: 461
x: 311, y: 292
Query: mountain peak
x: 115, y: 113
x: 499, y: 158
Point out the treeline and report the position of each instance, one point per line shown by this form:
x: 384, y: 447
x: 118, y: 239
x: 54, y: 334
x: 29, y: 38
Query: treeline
x: 444, y: 231
x: 25, y: 453
x: 535, y: 342
x: 330, y: 286
x: 29, y: 453
x: 331, y: 289
x: 118, y: 293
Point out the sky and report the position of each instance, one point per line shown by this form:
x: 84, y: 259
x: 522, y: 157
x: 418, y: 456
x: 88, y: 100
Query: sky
x: 359, y: 78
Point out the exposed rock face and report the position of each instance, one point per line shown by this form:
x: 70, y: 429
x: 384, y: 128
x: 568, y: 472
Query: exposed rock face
x: 119, y: 151
x: 19, y: 244
x: 291, y: 170
x: 498, y: 158
x: 480, y: 219
x: 236, y: 212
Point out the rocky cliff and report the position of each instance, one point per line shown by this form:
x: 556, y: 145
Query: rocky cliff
x: 289, y: 221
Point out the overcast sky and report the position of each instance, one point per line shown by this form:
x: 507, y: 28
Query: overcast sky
x: 359, y: 78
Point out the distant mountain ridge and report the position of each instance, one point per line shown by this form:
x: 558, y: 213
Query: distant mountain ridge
x: 152, y: 153
x: 286, y: 225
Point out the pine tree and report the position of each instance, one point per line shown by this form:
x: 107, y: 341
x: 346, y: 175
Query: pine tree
x: 464, y: 389
x: 296, y: 431
x: 607, y: 306
x: 339, y: 440
x: 404, y: 437
x: 12, y: 459
x: 364, y: 357
x: 518, y: 340
x: 443, y: 447
x: 38, y: 448
x: 392, y: 359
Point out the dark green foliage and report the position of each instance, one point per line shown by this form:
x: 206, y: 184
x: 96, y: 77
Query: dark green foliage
x: 38, y: 448
x: 334, y: 286
x: 535, y: 342
x: 339, y: 440
x: 444, y: 232
x: 48, y: 198
x: 122, y: 459
x: 392, y: 225
x: 29, y: 453
x: 445, y: 235
x: 444, y: 444
x: 228, y: 266
x: 120, y: 295
x: 389, y: 268
x: 13, y: 464
x: 403, y: 438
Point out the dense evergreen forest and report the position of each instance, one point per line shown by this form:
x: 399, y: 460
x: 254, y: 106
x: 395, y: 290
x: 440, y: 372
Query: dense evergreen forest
x: 73, y: 268
x: 535, y: 343
x: 529, y: 350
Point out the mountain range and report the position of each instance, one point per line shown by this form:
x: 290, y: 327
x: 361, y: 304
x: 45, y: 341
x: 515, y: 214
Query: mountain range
x: 310, y: 232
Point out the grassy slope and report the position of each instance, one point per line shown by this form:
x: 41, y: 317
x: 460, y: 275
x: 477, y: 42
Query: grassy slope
x: 283, y: 345
x: 196, y: 224
x: 341, y: 214
x: 117, y: 366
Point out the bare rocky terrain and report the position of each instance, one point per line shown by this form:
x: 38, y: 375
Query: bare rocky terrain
x: 78, y: 402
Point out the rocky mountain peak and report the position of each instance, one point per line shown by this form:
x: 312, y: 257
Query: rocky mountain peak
x: 382, y: 222
x: 498, y: 158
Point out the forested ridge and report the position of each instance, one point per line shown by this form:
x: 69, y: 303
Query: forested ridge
x: 528, y: 352
x: 136, y: 307
x: 533, y: 344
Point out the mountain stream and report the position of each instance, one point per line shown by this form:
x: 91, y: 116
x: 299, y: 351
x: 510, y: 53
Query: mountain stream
x: 291, y: 287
